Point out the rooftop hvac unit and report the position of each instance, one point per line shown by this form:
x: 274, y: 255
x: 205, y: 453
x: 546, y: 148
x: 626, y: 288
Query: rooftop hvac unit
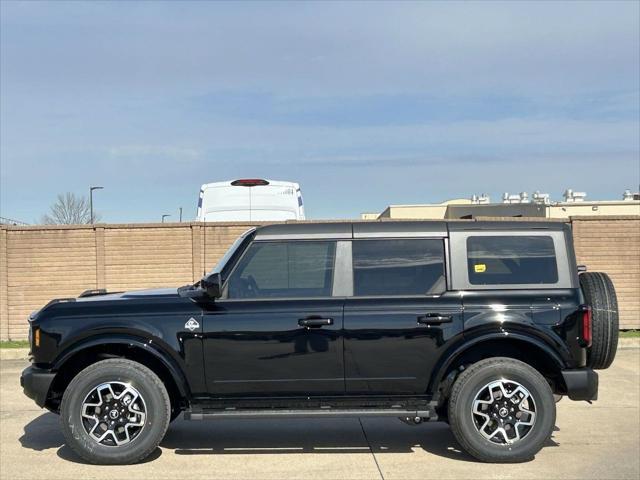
x: 571, y: 196
x: 480, y: 200
x: 541, y: 198
x: 522, y: 197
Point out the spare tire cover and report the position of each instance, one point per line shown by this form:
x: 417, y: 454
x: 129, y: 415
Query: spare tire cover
x: 600, y: 295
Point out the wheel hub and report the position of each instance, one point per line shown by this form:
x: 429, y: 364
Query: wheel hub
x: 113, y: 413
x: 504, y: 412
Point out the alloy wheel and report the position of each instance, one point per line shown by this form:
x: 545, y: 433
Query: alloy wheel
x: 114, y: 413
x: 504, y: 412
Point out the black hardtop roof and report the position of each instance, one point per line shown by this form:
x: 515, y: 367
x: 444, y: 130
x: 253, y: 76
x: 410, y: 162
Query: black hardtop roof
x: 404, y: 228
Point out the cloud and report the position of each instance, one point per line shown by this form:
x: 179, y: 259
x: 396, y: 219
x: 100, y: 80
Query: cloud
x: 144, y: 151
x: 350, y: 48
x: 407, y: 109
x: 364, y: 104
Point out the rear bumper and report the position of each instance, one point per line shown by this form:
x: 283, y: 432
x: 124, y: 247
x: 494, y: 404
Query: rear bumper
x: 582, y: 384
x: 36, y: 383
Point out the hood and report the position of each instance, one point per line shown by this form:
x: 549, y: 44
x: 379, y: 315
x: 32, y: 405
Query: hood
x: 100, y: 298
x: 133, y: 294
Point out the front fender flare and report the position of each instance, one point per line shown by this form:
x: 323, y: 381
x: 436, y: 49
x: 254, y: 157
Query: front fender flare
x: 129, y: 340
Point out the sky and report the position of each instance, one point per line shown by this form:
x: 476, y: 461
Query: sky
x: 363, y: 104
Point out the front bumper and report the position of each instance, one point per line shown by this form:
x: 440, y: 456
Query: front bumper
x: 582, y: 384
x: 36, y: 383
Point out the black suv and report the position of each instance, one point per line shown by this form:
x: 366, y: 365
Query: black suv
x: 479, y: 324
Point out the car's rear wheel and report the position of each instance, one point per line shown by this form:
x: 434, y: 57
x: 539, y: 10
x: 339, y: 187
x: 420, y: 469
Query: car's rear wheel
x: 600, y: 295
x: 501, y: 410
x: 115, y: 411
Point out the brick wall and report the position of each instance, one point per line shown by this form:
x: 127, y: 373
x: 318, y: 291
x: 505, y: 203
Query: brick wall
x: 612, y: 245
x: 44, y: 262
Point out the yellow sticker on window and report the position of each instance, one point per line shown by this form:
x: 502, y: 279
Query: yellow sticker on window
x: 480, y: 268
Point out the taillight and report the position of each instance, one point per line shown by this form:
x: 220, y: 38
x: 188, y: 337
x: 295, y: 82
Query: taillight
x: 587, y: 327
x: 249, y: 182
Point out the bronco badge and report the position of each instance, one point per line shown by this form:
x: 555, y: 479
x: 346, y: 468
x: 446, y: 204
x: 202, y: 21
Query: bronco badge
x: 191, y: 324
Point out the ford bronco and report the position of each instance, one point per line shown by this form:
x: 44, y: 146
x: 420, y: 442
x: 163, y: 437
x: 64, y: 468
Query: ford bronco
x: 478, y: 324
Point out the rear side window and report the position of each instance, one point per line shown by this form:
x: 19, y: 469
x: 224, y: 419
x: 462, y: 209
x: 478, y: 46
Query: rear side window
x: 398, y: 267
x: 284, y: 270
x: 511, y: 260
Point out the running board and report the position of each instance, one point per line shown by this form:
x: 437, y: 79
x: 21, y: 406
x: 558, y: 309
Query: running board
x: 306, y: 413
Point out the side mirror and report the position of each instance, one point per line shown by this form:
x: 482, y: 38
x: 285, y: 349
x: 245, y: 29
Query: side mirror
x: 212, y: 284
x: 209, y: 287
x: 189, y: 291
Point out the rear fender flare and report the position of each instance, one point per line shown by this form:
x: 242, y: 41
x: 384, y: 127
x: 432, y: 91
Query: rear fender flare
x: 456, y: 352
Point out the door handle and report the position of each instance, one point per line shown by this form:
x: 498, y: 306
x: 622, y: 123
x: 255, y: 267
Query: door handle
x: 434, y: 319
x: 315, y: 322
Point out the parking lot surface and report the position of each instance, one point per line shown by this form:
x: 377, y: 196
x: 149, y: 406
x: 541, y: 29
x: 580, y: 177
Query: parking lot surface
x: 600, y: 441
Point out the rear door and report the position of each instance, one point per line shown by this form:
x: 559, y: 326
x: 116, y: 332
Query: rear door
x: 226, y: 203
x: 275, y: 201
x: 400, y: 317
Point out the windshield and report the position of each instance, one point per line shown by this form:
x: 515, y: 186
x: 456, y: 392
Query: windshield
x: 229, y: 253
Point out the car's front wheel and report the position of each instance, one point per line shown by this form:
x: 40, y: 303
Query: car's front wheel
x: 502, y: 410
x: 115, y: 411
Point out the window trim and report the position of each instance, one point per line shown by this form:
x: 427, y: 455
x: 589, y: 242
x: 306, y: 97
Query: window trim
x: 459, y: 257
x: 445, y: 270
x: 343, y: 269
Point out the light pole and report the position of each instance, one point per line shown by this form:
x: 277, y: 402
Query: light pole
x: 91, y: 189
x: 165, y: 215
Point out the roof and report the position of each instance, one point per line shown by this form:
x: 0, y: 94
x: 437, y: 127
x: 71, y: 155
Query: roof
x: 306, y: 231
x: 453, y: 201
x: 395, y: 229
x: 458, y: 226
x: 227, y: 183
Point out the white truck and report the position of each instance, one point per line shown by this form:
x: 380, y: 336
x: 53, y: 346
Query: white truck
x: 250, y: 199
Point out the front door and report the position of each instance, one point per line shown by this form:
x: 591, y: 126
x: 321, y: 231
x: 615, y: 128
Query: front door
x: 277, y: 330
x: 401, y: 317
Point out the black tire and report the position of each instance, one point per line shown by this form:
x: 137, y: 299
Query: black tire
x: 600, y: 295
x: 462, y: 419
x: 119, y: 371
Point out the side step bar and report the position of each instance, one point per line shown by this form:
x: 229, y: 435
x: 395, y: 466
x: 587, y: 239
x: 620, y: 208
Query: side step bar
x: 306, y: 413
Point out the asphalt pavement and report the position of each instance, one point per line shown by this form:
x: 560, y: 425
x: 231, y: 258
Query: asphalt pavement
x: 598, y: 441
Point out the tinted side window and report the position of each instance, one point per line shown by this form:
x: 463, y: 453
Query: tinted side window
x: 398, y: 267
x: 502, y: 260
x: 284, y: 269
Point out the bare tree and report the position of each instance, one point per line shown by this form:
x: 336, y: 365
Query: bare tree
x: 69, y: 209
